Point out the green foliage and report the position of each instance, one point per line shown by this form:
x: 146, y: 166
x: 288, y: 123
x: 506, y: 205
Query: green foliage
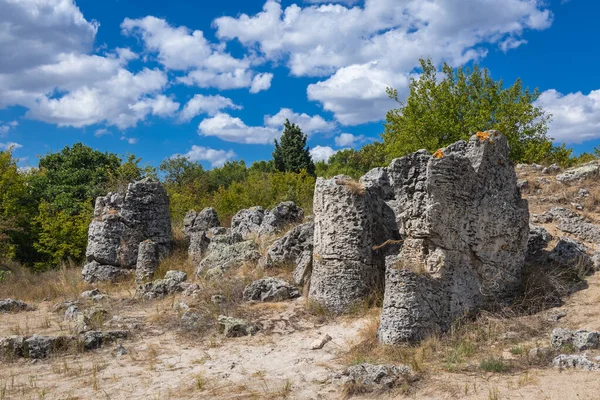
x: 493, y: 364
x: 13, y: 205
x: 354, y: 163
x: 439, y: 112
x: 292, y: 154
x: 62, y: 236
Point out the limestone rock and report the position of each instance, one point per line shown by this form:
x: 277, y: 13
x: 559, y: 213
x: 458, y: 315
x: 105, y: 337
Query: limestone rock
x: 95, y: 339
x: 575, y: 361
x: 538, y: 240
x: 37, y: 346
x: 575, y: 224
x: 235, y: 327
x: 121, y: 222
x: 199, y: 242
x: 247, y: 222
x: 280, y: 216
x: 570, y: 254
x: 200, y: 222
x: 465, y: 229
x: 378, y: 377
x: 585, y: 171
x: 147, y: 261
x: 12, y: 305
x: 579, y: 339
x: 343, y: 268
x: 172, y: 283
x: 551, y: 169
x: 318, y: 344
x: 227, y: 251
x: 270, y: 289
x: 295, y: 248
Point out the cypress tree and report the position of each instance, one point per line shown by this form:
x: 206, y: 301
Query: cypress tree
x: 291, y: 154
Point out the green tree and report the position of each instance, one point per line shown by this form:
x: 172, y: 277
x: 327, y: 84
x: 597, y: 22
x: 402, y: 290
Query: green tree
x: 439, y: 112
x: 292, y: 154
x: 354, y: 163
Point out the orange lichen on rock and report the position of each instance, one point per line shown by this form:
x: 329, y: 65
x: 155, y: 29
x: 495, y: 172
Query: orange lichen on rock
x: 482, y: 136
x: 438, y: 154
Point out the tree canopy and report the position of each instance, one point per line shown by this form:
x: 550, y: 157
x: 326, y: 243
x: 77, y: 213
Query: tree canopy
x: 292, y: 154
x: 439, y: 112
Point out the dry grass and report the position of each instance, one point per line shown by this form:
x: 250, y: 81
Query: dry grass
x: 353, y: 186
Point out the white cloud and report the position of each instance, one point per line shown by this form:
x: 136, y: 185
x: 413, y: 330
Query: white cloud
x: 232, y: 129
x: 206, y: 64
x: 348, y: 2
x: 378, y: 43
x: 216, y: 158
x: 348, y: 139
x: 308, y: 124
x: 129, y: 140
x: 6, y: 127
x: 261, y: 82
x: 101, y: 132
x: 211, y: 105
x: 575, y: 116
x: 322, y: 153
x: 9, y: 145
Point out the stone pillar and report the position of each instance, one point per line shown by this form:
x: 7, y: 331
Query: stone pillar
x: 147, y: 261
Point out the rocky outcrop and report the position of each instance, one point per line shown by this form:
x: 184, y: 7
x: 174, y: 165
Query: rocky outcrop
x: 537, y: 241
x: 121, y: 222
x: 225, y: 252
x: 270, y: 289
x: 203, y: 221
x: 576, y: 361
x: 236, y: 327
x: 255, y: 222
x: 585, y: 171
x: 570, y: 254
x: 464, y: 227
x: 344, y: 271
x: 12, y: 305
x: 371, y: 378
x: 173, y: 282
x: 295, y: 249
x: 147, y: 261
x: 573, y: 223
x: 578, y: 339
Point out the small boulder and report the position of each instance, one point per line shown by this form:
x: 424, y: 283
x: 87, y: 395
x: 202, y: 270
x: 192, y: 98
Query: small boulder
x: 12, y: 305
x: 551, y: 169
x: 95, y: 339
x: 270, y: 289
x: 236, y: 327
x: 370, y: 377
x: 585, y: 171
x: 319, y: 343
x: 564, y: 361
x: 147, y: 261
x: 247, y: 222
x: 200, y: 222
x: 571, y: 254
x: 538, y: 240
x: 280, y: 216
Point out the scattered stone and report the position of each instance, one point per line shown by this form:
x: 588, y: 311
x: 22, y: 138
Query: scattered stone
x: 11, y: 347
x: 579, y: 339
x: 247, y: 222
x: 12, y: 305
x: 89, y: 294
x: 200, y: 222
x: 570, y: 254
x: 191, y: 289
x: 295, y: 248
x: 523, y: 185
x: 537, y: 241
x: 378, y: 377
x: 236, y: 327
x: 318, y: 344
x: 173, y: 282
x: 585, y: 171
x: 560, y: 337
x: 575, y: 224
x: 583, y: 192
x: 541, y: 353
x: 218, y: 299
x: 95, y: 339
x: 121, y: 222
x: 465, y: 229
x: 575, y: 361
x: 147, y: 261
x: 551, y: 169
x: 38, y: 346
x: 556, y: 315
x: 193, y: 321
x: 71, y: 312
x: 121, y: 351
x: 270, y: 289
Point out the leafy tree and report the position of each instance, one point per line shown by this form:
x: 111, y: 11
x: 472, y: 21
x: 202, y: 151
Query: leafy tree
x: 292, y: 154
x: 230, y: 172
x: 438, y: 112
x: 354, y: 163
x: 181, y: 172
x: 74, y: 176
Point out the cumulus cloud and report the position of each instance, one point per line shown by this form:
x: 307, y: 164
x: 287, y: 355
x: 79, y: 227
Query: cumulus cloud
x: 308, y: 124
x: 129, y: 140
x: 348, y: 139
x: 10, y: 145
x: 206, y: 64
x: 101, y: 132
x: 6, y: 127
x: 216, y: 158
x: 211, y: 105
x: 362, y: 49
x: 575, y: 116
x: 46, y: 66
x: 232, y: 129
x: 322, y: 153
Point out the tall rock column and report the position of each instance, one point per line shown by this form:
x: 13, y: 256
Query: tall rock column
x: 121, y: 222
x: 343, y: 268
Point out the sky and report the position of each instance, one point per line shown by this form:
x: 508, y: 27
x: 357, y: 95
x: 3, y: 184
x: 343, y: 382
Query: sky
x: 214, y: 81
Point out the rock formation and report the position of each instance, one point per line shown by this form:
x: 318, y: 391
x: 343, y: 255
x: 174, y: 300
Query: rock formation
x: 147, y: 261
x: 200, y: 222
x: 270, y: 289
x: 464, y: 228
x: 255, y: 222
x: 121, y: 222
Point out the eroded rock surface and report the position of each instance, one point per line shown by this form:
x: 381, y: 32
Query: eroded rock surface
x: 200, y: 222
x: 12, y: 305
x: 147, y: 261
x: 121, y: 222
x: 225, y: 252
x: 270, y: 289
x: 585, y: 171
x: 370, y: 377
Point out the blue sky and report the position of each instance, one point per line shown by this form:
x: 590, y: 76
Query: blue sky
x: 215, y: 80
